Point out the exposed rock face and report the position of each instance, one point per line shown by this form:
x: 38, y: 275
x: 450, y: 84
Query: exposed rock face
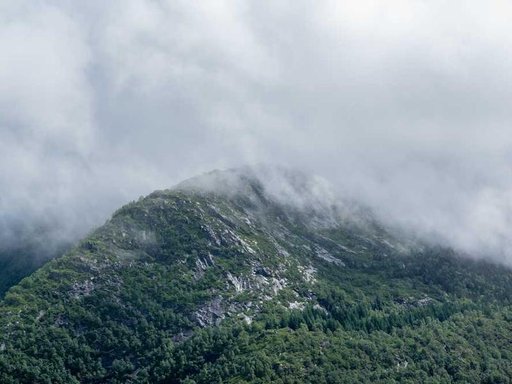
x: 212, y: 313
x: 84, y: 288
x: 323, y: 254
x: 225, y: 250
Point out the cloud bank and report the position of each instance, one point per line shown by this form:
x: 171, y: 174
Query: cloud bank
x: 403, y: 105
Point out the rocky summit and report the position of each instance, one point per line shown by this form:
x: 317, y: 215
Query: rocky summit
x: 256, y: 277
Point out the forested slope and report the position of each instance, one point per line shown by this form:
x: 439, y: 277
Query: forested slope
x: 231, y: 285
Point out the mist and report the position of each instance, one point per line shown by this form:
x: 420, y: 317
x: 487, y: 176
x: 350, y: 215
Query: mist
x: 402, y: 105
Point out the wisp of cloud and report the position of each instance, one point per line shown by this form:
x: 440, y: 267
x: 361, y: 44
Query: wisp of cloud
x: 402, y: 105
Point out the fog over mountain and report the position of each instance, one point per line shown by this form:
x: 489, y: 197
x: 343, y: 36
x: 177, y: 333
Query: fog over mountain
x: 402, y: 105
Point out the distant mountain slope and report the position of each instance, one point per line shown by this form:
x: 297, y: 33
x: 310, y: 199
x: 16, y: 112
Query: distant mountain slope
x: 228, y: 279
x: 17, y: 262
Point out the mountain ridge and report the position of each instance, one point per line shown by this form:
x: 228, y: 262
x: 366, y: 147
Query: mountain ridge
x: 172, y: 284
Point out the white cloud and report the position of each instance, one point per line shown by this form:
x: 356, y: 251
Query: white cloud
x: 403, y: 104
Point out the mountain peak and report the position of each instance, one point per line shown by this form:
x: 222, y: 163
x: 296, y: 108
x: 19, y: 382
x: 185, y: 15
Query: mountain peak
x: 192, y: 283
x: 284, y: 185
x: 292, y: 191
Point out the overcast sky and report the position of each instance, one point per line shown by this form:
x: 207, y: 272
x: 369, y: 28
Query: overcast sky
x: 404, y: 104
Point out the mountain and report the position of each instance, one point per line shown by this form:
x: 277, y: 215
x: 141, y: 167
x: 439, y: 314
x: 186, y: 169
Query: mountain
x: 21, y: 260
x: 246, y: 276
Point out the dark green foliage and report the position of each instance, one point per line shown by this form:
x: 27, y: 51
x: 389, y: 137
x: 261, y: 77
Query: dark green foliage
x: 19, y: 262
x: 196, y: 288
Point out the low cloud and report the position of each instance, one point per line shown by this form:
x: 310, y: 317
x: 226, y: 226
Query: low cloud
x: 403, y: 105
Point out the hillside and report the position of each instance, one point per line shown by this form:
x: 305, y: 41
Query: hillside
x: 16, y: 262
x: 228, y: 279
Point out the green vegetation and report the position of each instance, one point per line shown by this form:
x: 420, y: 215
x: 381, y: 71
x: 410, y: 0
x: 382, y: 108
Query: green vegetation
x: 19, y: 262
x: 188, y: 287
